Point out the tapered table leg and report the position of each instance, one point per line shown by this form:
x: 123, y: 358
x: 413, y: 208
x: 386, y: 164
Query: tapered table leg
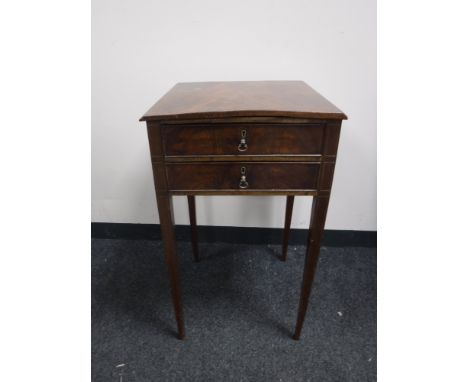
x: 317, y: 225
x: 287, y: 225
x: 193, y: 226
x: 168, y: 235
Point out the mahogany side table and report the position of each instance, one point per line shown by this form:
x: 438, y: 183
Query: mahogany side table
x: 243, y: 138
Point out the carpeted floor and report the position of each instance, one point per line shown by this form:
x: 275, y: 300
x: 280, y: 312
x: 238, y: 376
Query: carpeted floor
x: 240, y: 309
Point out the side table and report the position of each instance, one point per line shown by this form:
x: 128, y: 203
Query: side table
x: 243, y: 138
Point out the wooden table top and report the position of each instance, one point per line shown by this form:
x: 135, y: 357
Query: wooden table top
x: 193, y: 100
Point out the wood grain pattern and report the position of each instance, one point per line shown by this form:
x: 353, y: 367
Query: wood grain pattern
x: 249, y: 158
x: 242, y: 99
x: 226, y: 176
x: 261, y: 139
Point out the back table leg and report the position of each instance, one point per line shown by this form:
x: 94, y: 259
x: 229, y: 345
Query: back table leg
x: 193, y: 226
x: 287, y: 224
x: 317, y: 225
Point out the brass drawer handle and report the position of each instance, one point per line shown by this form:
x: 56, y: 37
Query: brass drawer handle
x: 243, y: 142
x: 243, y: 180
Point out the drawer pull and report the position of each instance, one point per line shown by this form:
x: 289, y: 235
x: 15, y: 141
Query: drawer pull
x: 243, y: 142
x: 243, y: 180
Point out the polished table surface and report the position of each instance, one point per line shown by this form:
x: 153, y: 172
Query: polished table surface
x: 243, y: 138
x: 244, y: 99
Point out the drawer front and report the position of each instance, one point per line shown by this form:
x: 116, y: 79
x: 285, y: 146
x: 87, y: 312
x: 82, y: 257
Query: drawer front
x: 229, y: 176
x: 243, y: 139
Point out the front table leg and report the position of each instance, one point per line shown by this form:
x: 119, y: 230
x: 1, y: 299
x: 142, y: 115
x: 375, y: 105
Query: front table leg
x: 316, y: 228
x: 168, y: 235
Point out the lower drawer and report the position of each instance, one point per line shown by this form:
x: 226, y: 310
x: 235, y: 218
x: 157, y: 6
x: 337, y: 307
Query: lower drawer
x: 237, y: 176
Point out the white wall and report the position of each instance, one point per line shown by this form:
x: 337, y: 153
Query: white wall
x: 140, y: 48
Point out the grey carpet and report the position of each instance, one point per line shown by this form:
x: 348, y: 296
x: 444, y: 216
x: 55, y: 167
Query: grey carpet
x: 240, y: 307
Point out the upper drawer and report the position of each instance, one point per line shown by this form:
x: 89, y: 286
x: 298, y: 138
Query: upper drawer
x: 248, y: 139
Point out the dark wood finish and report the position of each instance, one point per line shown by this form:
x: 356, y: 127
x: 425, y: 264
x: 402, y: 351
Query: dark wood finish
x: 193, y: 226
x: 242, y: 99
x: 168, y: 234
x: 317, y: 224
x: 250, y: 192
x: 166, y: 218
x: 291, y: 141
x: 227, y: 176
x: 332, y: 137
x: 239, y: 119
x: 326, y: 175
x: 287, y: 225
x: 261, y: 139
x: 244, y: 158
